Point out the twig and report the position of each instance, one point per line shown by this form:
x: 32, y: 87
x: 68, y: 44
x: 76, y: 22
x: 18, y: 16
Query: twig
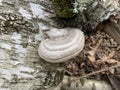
x: 86, y: 75
x: 105, y: 69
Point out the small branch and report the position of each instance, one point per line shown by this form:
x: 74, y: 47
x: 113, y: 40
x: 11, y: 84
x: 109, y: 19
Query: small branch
x: 105, y: 69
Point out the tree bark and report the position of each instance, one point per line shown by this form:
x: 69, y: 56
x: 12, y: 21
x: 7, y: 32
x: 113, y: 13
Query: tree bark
x: 63, y: 8
x: 21, y: 68
x: 90, y: 13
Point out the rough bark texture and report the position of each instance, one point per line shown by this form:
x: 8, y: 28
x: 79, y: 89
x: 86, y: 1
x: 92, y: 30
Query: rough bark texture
x: 22, y: 23
x: 89, y: 12
x: 99, y: 11
x: 21, y: 68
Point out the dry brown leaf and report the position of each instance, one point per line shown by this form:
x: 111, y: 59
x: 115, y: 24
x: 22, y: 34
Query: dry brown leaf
x: 108, y: 59
x: 112, y: 61
x: 91, y: 53
x: 69, y: 66
x: 91, y: 58
x: 111, y: 54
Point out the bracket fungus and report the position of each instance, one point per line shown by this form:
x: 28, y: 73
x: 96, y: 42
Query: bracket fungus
x: 62, y: 45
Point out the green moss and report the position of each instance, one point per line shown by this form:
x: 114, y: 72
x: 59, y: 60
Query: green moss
x: 64, y: 8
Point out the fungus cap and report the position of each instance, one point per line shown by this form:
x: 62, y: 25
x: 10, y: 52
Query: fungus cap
x: 62, y: 45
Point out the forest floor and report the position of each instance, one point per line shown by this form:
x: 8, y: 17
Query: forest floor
x: 99, y: 60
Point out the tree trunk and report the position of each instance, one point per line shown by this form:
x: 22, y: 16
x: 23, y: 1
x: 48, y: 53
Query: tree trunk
x: 90, y: 13
x: 21, y: 68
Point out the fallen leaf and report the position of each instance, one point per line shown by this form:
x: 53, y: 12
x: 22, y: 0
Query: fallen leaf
x: 91, y: 53
x: 108, y: 59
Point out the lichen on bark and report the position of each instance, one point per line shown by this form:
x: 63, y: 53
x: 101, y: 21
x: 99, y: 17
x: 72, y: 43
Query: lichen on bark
x: 63, y: 8
x: 88, y: 13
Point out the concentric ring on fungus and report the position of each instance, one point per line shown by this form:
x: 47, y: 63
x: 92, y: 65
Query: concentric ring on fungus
x: 62, y: 45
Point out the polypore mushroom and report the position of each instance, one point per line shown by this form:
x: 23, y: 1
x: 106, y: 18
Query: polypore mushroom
x: 62, y: 45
